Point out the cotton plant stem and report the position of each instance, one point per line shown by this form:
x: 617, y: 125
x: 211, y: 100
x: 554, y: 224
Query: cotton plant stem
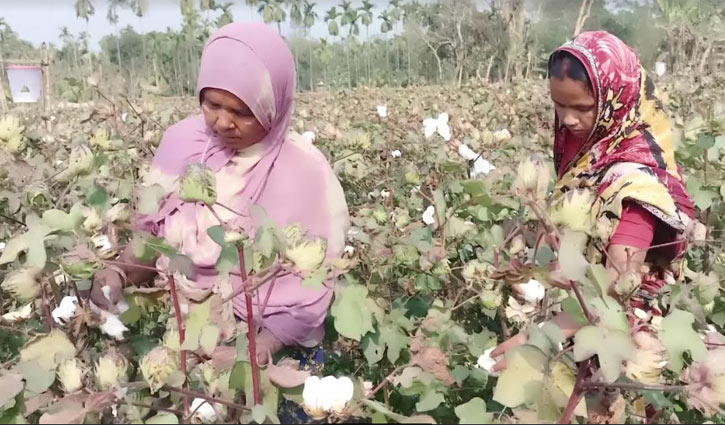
x: 205, y: 397
x: 247, y: 286
x: 634, y: 386
x: 371, y: 394
x: 182, y: 335
x: 46, y: 308
x: 576, y: 394
x: 251, y: 333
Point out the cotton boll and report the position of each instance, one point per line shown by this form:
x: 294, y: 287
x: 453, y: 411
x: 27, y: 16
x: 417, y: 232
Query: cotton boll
x: 396, y: 154
x: 467, y: 153
x: 481, y: 167
x: 486, y: 362
x: 18, y: 315
x: 204, y: 410
x: 533, y: 291
x: 382, y: 111
x: 66, y: 310
x: 309, y: 136
x: 429, y: 215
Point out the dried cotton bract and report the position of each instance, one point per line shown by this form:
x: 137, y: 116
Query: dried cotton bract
x: 23, y: 284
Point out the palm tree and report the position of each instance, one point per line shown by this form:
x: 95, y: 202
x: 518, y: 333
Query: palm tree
x: 309, y: 16
x: 84, y: 9
x: 112, y: 17
x: 349, y: 18
x: 331, y: 19
x: 140, y: 7
x: 69, y: 40
x: 366, y: 17
x: 272, y: 11
x: 226, y: 17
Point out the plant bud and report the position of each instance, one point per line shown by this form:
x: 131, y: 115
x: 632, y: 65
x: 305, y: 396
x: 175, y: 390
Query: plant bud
x: 293, y: 234
x: 573, y: 211
x: 627, y: 283
x: 307, y: 255
x: 118, y: 212
x: 93, y: 221
x: 518, y: 244
x: 532, y: 179
x: 160, y: 367
x: 70, y: 374
x: 198, y: 184
x: 80, y: 162
x: 475, y: 272
x: 101, y: 138
x: 649, y: 360
x: 491, y: 300
x: 11, y: 134
x: 110, y: 370
x: 23, y: 284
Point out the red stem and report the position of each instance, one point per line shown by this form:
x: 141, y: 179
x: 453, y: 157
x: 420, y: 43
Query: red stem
x: 182, y: 335
x: 251, y: 334
x: 46, y: 308
x: 576, y: 394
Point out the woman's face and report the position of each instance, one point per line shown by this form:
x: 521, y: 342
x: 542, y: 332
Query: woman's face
x: 575, y: 105
x: 230, y: 119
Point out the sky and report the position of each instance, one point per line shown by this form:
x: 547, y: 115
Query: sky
x: 41, y: 20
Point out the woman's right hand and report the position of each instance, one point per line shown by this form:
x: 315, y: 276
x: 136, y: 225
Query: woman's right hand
x: 113, y: 295
x: 506, y: 346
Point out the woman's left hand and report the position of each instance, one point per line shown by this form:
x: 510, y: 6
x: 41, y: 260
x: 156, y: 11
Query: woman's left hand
x: 267, y: 346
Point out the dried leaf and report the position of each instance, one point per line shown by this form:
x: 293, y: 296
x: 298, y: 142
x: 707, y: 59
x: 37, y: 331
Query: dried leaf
x: 287, y: 373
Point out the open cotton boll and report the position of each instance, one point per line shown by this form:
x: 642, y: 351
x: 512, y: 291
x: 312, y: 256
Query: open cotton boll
x: 312, y: 397
x: 341, y: 392
x: 2, y: 246
x: 486, y: 362
x: 349, y: 250
x: 467, y: 153
x: 19, y: 315
x: 481, y: 167
x: 65, y: 310
x: 112, y: 325
x: 204, y: 410
x: 533, y: 291
x: 396, y: 154
x: 429, y: 215
x: 310, y: 136
x: 382, y: 111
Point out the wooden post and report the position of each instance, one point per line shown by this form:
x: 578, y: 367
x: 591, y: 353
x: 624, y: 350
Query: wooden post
x: 45, y: 67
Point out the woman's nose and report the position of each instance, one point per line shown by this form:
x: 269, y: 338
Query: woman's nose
x: 224, y: 122
x: 569, y: 120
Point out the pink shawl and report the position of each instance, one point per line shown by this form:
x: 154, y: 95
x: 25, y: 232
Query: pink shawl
x: 291, y: 181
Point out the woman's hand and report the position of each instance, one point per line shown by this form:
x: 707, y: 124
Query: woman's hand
x: 107, y: 300
x: 499, y: 353
x: 267, y: 346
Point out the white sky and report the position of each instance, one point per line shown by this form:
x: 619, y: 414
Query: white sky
x: 41, y: 20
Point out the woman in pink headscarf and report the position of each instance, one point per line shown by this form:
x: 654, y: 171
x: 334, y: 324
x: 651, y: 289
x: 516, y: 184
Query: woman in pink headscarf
x: 246, y: 89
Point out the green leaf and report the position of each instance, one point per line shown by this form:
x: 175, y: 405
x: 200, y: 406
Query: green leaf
x: 678, y: 337
x: 473, y: 412
x: 209, y: 338
x: 260, y: 413
x: 315, y: 279
x: 522, y: 380
x: 133, y: 314
x: 372, y: 349
x: 229, y: 257
x: 429, y: 401
x: 163, y: 418
x: 239, y: 374
x: 458, y: 227
x: 37, y: 378
x: 11, y: 384
x: 612, y: 348
x: 183, y: 265
x: 352, y: 318
x: 198, y: 319
x: 395, y: 340
x: 13, y: 248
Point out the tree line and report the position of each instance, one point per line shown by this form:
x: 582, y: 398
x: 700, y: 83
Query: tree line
x: 441, y: 42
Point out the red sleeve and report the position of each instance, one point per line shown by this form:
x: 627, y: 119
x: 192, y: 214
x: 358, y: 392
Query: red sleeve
x: 636, y: 227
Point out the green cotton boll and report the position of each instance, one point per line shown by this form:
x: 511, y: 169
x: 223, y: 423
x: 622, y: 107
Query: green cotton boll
x: 198, y: 184
x: 80, y: 269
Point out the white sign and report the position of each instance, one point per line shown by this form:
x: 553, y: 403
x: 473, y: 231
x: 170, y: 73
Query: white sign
x: 26, y: 83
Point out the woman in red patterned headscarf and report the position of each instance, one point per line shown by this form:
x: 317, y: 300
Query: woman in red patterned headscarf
x: 613, y: 138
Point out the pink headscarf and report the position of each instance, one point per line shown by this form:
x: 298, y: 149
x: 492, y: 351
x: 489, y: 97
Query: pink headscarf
x: 292, y: 182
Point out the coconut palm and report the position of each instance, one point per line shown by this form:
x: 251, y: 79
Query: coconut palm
x: 84, y: 9
x: 272, y: 11
x: 309, y: 16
